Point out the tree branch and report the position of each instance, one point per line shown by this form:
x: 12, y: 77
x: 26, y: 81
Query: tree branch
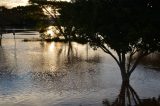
x: 124, y: 61
x: 109, y: 52
x: 54, y: 17
x: 130, y: 57
x: 119, y: 55
x: 137, y: 61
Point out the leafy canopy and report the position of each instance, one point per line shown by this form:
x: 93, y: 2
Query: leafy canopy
x: 123, y: 25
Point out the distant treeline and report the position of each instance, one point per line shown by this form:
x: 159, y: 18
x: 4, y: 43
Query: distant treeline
x: 30, y: 16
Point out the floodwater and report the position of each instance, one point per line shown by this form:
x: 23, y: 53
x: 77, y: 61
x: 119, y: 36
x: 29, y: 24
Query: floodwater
x: 62, y: 74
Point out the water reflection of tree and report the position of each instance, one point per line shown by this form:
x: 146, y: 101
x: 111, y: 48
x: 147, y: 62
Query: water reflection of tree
x: 68, y: 50
x: 72, y: 54
x: 128, y: 97
x: 70, y: 69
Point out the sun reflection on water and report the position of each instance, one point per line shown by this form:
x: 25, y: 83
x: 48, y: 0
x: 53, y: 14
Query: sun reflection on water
x: 51, y: 47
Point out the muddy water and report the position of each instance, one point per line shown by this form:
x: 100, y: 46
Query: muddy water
x: 62, y: 74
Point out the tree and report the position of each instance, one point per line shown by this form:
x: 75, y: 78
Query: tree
x: 51, y: 8
x: 129, y: 27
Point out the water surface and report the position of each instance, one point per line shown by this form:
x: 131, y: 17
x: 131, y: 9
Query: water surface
x: 62, y: 74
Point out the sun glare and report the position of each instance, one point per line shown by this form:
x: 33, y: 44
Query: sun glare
x: 50, y: 32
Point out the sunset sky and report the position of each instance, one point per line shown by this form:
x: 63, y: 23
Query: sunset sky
x: 14, y: 3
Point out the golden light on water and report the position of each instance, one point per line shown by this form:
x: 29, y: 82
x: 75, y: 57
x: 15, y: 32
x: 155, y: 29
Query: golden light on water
x: 51, y: 47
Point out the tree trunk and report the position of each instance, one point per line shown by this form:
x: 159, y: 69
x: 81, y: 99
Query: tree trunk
x: 125, y: 76
x: 125, y: 79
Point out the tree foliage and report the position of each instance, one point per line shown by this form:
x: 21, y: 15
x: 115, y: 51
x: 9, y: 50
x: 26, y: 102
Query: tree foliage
x: 126, y: 26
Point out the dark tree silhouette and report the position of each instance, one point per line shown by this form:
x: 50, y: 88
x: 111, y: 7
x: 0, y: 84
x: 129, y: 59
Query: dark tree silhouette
x: 54, y: 17
x: 29, y: 16
x: 129, y: 27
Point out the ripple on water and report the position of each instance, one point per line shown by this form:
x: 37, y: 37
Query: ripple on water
x: 47, y: 74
